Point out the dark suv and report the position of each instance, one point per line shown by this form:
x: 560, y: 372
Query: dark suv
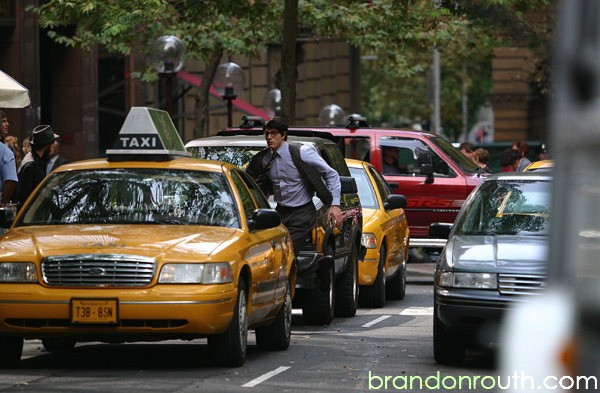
x: 327, y: 277
x: 436, y: 180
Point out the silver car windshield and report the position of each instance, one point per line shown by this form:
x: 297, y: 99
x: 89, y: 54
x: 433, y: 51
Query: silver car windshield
x: 507, y: 208
x: 134, y: 196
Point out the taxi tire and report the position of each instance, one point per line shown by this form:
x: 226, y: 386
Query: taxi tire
x: 12, y: 349
x: 346, y: 294
x: 58, y: 344
x: 277, y: 336
x: 448, y: 348
x: 230, y: 347
x: 396, y: 287
x: 373, y: 296
x: 318, y: 304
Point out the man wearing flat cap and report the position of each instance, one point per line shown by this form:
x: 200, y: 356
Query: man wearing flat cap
x: 33, y: 172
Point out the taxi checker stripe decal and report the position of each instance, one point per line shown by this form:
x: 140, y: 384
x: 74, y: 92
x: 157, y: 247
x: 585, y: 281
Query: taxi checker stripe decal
x: 121, y: 302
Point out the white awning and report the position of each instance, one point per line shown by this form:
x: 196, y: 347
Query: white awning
x: 12, y: 93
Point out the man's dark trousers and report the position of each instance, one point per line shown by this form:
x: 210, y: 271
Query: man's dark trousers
x: 300, y: 221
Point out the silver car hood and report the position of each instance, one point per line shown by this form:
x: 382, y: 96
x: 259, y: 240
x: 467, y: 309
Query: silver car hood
x: 499, y: 254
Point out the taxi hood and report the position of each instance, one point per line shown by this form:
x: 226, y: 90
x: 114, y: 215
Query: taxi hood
x: 157, y: 241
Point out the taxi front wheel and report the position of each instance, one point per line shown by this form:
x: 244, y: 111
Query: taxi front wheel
x: 230, y: 347
x: 12, y: 348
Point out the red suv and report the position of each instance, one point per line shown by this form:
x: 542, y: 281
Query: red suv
x: 435, y: 177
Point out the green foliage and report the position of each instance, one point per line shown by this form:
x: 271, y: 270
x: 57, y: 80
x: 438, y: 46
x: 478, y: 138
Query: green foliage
x: 398, y: 34
x: 125, y: 27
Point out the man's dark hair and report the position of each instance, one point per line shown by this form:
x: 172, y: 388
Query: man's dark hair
x: 276, y: 123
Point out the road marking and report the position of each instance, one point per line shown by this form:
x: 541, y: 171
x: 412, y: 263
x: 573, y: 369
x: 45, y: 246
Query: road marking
x: 417, y: 311
x: 265, y: 376
x: 377, y: 320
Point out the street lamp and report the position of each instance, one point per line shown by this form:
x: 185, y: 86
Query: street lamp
x: 435, y: 66
x: 167, y: 58
x: 229, y: 78
x: 332, y: 115
x: 272, y: 103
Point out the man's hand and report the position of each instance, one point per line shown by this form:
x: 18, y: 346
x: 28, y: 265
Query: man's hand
x: 335, y: 215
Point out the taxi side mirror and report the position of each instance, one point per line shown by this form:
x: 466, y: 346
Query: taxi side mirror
x: 348, y: 185
x: 395, y: 201
x: 264, y: 219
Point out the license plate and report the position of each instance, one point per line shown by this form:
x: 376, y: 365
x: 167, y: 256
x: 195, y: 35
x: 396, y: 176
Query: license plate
x: 94, y: 311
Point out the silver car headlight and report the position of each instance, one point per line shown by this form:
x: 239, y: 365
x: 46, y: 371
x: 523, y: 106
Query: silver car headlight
x: 196, y: 273
x: 368, y: 240
x: 18, y: 272
x: 468, y: 280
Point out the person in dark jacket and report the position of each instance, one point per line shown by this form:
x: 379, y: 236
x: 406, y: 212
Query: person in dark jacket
x: 33, y: 172
x: 292, y: 173
x: 54, y: 158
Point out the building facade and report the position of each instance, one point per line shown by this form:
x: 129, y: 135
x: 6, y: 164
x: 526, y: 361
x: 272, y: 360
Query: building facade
x: 85, y: 96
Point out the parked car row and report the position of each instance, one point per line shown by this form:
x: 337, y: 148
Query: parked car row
x: 164, y: 241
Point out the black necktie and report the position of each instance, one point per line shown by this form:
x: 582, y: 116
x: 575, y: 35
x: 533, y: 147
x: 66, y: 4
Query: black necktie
x: 266, y: 169
x: 270, y: 162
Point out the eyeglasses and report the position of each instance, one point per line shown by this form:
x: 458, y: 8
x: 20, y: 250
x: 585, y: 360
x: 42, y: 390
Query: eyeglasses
x: 270, y: 133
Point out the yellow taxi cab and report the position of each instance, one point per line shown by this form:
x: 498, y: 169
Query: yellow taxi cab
x: 385, y: 235
x: 147, y: 244
x: 541, y: 166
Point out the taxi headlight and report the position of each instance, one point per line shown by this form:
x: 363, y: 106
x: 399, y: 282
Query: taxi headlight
x: 18, y: 272
x: 468, y: 280
x: 369, y: 240
x: 195, y: 273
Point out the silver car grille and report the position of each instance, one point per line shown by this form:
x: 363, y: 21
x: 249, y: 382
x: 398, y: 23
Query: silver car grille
x: 521, y: 284
x: 98, y: 270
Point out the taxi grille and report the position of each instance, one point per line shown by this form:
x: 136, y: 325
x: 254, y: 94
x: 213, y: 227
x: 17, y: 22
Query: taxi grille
x: 521, y: 284
x: 101, y: 270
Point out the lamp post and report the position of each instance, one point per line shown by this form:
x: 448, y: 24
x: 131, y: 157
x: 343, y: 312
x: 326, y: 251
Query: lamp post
x: 435, y: 65
x: 272, y: 102
x: 167, y: 58
x: 229, y: 78
x: 332, y: 115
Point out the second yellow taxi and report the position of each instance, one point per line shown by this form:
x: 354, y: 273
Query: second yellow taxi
x: 382, y: 272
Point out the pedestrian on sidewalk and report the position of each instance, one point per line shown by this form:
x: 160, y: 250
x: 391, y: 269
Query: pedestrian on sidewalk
x: 33, y: 172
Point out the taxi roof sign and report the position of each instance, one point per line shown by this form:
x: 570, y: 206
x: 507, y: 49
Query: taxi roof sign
x: 147, y: 134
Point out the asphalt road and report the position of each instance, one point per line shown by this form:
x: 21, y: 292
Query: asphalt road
x: 351, y: 354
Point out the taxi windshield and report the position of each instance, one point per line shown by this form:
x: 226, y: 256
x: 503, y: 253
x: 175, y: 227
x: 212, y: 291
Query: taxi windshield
x: 368, y: 200
x: 236, y: 155
x: 133, y: 196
